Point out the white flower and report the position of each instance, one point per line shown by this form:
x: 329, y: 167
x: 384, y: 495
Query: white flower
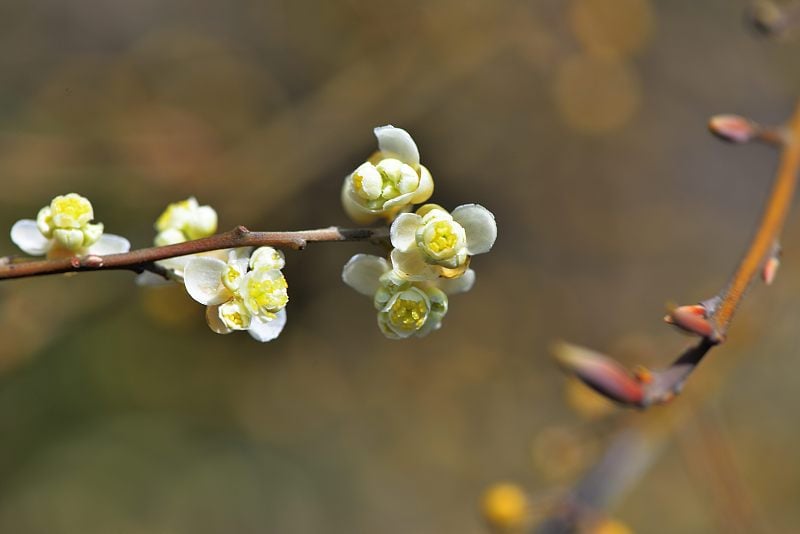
x: 63, y: 229
x: 185, y: 220
x: 390, y: 181
x: 405, y: 308
x: 432, y: 242
x: 244, y: 293
x: 180, y: 222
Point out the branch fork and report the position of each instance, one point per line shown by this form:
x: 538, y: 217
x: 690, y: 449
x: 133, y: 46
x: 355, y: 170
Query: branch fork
x: 710, y: 319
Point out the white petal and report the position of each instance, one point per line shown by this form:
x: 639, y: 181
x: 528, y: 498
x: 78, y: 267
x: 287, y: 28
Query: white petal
x: 434, y: 322
x: 170, y: 236
x: 425, y: 187
x: 267, y: 258
x: 353, y: 209
x: 480, y: 226
x: 363, y: 271
x: 214, y: 321
x: 110, y: 244
x: 70, y: 239
x: 204, y: 221
x: 203, y: 279
x: 26, y: 235
x: 176, y: 264
x: 398, y: 141
x: 463, y: 283
x: 404, y: 231
x: 412, y: 266
x: 270, y: 330
x: 398, y: 202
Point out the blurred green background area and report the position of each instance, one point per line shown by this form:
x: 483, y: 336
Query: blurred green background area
x: 580, y: 124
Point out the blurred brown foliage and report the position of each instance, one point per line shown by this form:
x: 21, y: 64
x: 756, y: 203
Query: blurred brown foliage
x: 580, y: 124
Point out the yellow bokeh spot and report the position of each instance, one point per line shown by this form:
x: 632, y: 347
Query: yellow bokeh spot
x: 610, y: 526
x: 596, y: 95
x: 618, y: 28
x: 505, y: 507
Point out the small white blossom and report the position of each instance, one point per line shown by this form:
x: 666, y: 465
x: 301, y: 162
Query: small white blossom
x: 405, y: 308
x: 180, y: 222
x: 187, y: 219
x: 390, y: 181
x: 432, y: 242
x: 243, y: 293
x: 64, y: 229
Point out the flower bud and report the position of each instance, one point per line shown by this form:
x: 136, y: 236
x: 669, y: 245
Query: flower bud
x: 600, y: 372
x: 692, y: 319
x: 733, y: 128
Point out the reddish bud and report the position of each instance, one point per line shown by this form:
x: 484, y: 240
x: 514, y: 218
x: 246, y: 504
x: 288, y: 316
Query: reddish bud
x: 691, y: 319
x: 733, y: 128
x: 770, y: 270
x: 600, y: 372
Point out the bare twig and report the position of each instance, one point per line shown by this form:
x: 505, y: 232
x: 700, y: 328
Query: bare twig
x: 144, y: 259
x: 709, y: 319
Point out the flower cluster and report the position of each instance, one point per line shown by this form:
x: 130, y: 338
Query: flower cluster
x: 64, y: 229
x: 244, y: 289
x: 246, y: 292
x: 431, y: 247
x: 389, y: 182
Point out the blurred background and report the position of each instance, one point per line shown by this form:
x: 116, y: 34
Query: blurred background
x: 580, y: 124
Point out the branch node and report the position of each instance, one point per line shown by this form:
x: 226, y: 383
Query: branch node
x: 93, y: 262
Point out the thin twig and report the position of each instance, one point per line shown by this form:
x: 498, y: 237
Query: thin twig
x: 144, y: 259
x: 710, y: 319
x: 668, y: 383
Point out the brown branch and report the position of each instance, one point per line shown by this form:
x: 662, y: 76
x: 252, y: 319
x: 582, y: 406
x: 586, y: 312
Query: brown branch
x: 145, y: 259
x: 709, y: 319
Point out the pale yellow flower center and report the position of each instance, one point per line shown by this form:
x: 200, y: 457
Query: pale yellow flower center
x: 267, y: 294
x: 71, y: 211
x: 408, y: 313
x: 234, y: 315
x: 390, y: 178
x: 235, y: 318
x: 231, y: 277
x: 440, y: 239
